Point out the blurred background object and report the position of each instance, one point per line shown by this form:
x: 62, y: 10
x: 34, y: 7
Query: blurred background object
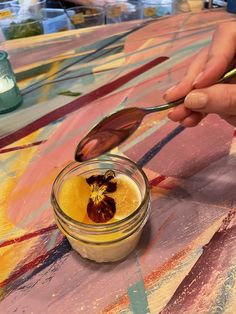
x: 20, y: 26
x: 211, y: 4
x: 182, y: 6
x: 21, y: 20
x: 121, y: 11
x: 231, y: 6
x: 86, y: 16
x: 24, y: 18
x: 157, y: 8
x: 5, y: 4
x: 57, y: 20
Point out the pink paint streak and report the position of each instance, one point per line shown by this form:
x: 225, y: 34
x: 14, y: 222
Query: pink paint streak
x: 80, y: 102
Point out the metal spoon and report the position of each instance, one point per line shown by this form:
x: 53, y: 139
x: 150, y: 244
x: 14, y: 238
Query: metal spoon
x: 117, y: 127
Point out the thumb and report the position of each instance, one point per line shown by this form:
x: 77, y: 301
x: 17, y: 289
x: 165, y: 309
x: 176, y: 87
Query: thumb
x: 220, y: 99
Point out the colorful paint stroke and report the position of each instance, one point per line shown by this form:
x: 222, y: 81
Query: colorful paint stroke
x: 186, y: 260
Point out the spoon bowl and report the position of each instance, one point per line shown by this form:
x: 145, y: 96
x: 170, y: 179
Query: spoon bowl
x: 113, y: 130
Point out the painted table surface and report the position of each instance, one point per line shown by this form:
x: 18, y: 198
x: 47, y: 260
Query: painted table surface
x: 186, y: 259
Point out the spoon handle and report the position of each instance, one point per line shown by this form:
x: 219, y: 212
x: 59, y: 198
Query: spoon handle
x: 227, y: 76
x: 172, y: 104
x: 165, y: 106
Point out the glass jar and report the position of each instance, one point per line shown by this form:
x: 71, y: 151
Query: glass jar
x: 34, y: 7
x: 10, y: 97
x: 157, y: 8
x: 21, y: 26
x: 104, y: 242
x: 182, y: 6
x: 123, y: 11
x: 86, y: 16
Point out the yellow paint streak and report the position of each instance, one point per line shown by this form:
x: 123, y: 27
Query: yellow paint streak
x: 10, y: 260
x: 46, y: 88
x: 8, y: 257
x: 17, y: 167
x: 233, y: 147
x: 110, y: 63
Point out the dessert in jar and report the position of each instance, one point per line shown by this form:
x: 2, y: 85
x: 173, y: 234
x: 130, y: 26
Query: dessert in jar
x: 102, y: 206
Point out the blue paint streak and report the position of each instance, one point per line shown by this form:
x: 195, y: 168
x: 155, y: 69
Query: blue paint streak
x: 157, y: 148
x: 57, y: 253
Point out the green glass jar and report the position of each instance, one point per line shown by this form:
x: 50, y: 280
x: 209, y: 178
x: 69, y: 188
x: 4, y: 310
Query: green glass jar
x: 10, y: 97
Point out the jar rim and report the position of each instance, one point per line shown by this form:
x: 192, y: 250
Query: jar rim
x: 100, y: 225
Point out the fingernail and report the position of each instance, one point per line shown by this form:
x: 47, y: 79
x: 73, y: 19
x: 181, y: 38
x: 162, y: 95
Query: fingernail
x: 196, y: 100
x: 197, y: 79
x: 169, y: 90
x: 170, y: 112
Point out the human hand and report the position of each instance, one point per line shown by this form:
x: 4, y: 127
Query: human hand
x: 209, y: 65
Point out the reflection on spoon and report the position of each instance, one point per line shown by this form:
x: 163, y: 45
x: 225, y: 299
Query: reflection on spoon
x: 116, y: 128
x: 113, y: 130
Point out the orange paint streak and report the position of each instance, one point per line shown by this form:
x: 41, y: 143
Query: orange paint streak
x: 163, y: 269
x: 9, y: 258
x: 123, y: 302
x: 120, y: 305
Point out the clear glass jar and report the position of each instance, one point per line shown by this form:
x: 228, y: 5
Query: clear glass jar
x: 21, y: 26
x: 182, y: 6
x: 157, y: 8
x: 123, y: 11
x: 106, y: 242
x: 87, y: 16
x: 10, y: 97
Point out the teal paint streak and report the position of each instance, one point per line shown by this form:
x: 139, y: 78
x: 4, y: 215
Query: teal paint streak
x: 191, y: 47
x: 139, y: 51
x: 138, y: 298
x: 143, y: 50
x: 53, y: 239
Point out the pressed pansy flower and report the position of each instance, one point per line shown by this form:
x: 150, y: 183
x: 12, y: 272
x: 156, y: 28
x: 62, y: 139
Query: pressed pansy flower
x: 101, y: 207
